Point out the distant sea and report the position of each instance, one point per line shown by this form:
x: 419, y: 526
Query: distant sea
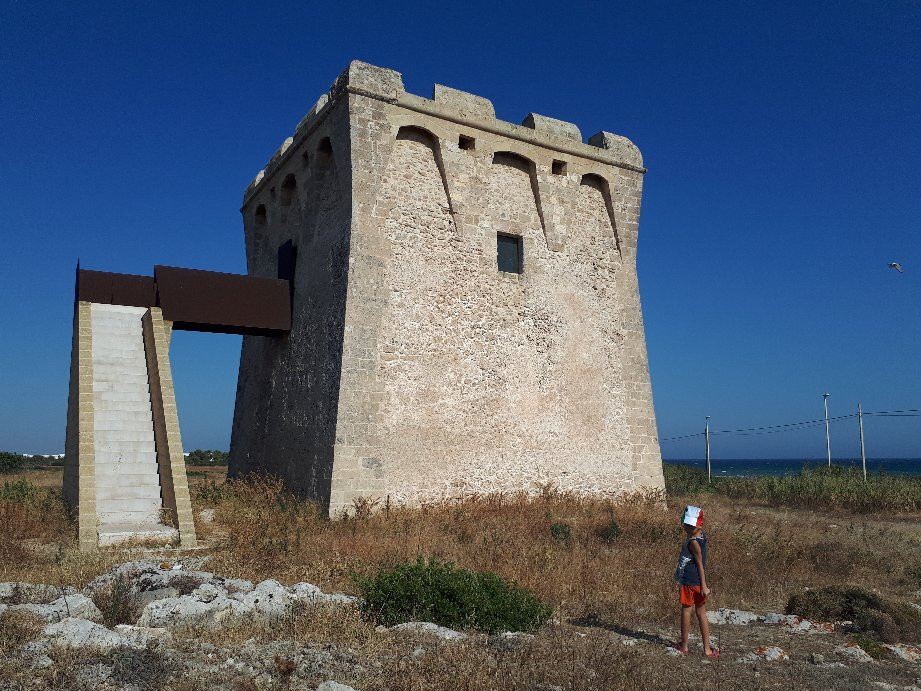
x: 729, y: 467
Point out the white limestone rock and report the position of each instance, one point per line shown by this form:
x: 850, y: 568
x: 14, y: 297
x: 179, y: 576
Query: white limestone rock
x: 31, y: 593
x: 334, y: 686
x: 308, y: 591
x: 208, y: 592
x: 732, y: 616
x: 854, y: 653
x: 237, y: 585
x: 174, y: 578
x: 141, y: 636
x: 145, y: 597
x: 158, y: 580
x: 203, y: 576
x: 908, y: 653
x: 210, y: 604
x: 769, y: 653
x: 129, y: 571
x: 427, y: 627
x: 268, y: 599
x: 78, y: 606
x: 339, y: 599
x: 42, y: 662
x: 794, y: 623
x: 80, y: 633
x: 305, y: 591
x: 173, y: 612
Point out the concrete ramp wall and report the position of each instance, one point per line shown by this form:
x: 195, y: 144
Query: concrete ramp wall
x: 124, y: 467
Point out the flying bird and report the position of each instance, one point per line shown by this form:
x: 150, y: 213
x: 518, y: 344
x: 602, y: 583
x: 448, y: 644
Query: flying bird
x: 896, y: 266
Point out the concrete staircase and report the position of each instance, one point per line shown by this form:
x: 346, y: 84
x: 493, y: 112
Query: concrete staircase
x: 128, y: 499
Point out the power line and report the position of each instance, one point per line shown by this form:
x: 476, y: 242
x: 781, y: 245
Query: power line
x: 791, y: 426
x: 897, y: 413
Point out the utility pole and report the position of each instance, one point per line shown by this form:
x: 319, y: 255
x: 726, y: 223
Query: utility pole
x: 863, y: 453
x: 827, y: 438
x: 707, y: 437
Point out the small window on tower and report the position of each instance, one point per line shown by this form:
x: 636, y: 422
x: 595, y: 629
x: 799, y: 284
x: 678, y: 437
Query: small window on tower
x: 559, y: 168
x: 509, y: 253
x: 466, y: 143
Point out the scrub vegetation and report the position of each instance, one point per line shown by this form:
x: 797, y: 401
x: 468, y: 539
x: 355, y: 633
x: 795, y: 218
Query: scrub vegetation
x: 601, y: 566
x: 835, y: 488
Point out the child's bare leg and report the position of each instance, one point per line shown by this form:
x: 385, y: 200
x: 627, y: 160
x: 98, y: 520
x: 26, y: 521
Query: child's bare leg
x: 685, y: 626
x: 704, y: 627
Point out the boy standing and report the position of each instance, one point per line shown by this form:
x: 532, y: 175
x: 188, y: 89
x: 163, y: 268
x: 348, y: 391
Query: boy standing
x: 692, y: 579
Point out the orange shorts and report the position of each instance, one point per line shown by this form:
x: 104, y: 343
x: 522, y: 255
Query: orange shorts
x: 691, y: 596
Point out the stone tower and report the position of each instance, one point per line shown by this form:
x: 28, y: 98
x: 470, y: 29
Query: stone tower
x: 465, y: 310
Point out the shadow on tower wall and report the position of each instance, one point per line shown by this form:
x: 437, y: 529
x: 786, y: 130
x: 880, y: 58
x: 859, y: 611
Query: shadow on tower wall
x: 287, y: 398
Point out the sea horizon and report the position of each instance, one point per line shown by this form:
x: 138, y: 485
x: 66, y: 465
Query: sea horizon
x: 746, y: 467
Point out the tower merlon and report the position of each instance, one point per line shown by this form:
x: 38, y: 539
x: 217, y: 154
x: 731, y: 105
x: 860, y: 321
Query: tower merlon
x: 466, y: 105
x: 623, y: 148
x: 553, y: 127
x: 368, y: 80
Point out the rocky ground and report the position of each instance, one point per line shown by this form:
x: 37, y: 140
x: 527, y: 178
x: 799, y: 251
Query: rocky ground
x: 161, y: 624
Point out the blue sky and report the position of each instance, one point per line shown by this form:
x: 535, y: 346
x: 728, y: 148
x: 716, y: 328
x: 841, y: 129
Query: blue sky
x: 782, y: 141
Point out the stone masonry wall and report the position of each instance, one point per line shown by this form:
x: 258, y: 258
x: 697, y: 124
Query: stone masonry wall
x: 415, y: 369
x: 286, y: 407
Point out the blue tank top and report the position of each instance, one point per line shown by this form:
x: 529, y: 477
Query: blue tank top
x: 687, y: 572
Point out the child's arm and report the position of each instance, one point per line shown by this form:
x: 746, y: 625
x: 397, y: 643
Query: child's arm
x: 699, y: 560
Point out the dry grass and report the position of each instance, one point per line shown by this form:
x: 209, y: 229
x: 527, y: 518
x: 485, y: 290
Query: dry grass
x: 259, y: 532
x: 267, y: 533
x: 559, y: 546
x: 310, y: 624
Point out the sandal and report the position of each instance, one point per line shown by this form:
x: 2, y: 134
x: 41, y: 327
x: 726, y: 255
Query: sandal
x: 677, y: 646
x: 714, y: 654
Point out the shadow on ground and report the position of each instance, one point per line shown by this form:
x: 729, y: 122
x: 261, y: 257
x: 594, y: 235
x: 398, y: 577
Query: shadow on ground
x: 594, y: 621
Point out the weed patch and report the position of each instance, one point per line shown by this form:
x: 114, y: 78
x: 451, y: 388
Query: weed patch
x: 146, y: 669
x: 117, y: 603
x: 16, y: 629
x: 611, y: 531
x: 871, y: 614
x: 561, y: 532
x: 872, y: 647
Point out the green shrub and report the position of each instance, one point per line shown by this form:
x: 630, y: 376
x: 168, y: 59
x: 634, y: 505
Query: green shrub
x: 10, y: 462
x: 207, y: 457
x: 889, y: 621
x: 611, y: 532
x: 19, y: 490
x: 684, y: 479
x: 439, y: 592
x: 562, y: 532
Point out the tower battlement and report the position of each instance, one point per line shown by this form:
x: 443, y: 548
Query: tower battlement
x: 465, y: 309
x: 462, y: 108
